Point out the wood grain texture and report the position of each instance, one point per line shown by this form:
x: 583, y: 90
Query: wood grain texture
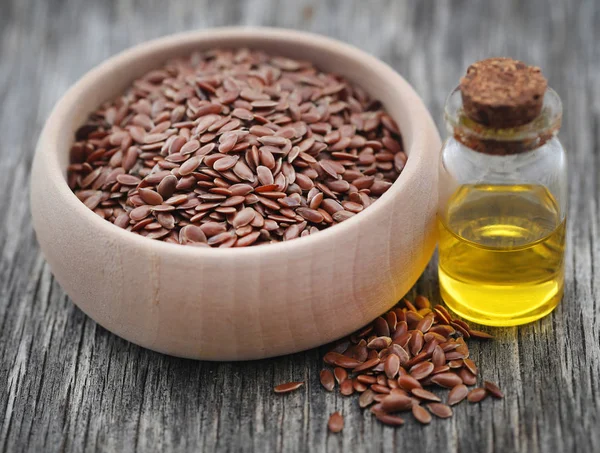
x: 68, y: 385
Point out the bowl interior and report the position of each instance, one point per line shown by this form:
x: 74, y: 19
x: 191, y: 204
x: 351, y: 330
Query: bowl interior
x: 115, y: 75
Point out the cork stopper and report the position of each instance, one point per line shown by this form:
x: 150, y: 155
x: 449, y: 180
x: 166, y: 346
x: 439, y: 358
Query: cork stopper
x: 502, y: 92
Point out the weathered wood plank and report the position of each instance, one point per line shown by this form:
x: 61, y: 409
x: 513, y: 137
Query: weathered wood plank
x: 66, y: 384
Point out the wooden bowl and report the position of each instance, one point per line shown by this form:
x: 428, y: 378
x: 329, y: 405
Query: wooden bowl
x: 246, y: 303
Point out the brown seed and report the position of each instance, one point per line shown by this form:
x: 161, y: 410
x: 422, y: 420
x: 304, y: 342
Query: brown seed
x: 467, y: 377
x: 379, y: 397
x: 189, y: 166
x: 493, y: 389
x: 376, y: 408
x: 420, y: 357
x: 192, y: 233
x: 392, y: 321
x: 431, y: 336
x: 477, y: 395
x: 150, y: 196
x: 367, y: 379
x: 429, y: 347
x: 336, y: 422
x: 288, y: 387
x: 450, y: 345
x: 220, y: 238
x: 455, y: 364
x: 401, y: 327
x: 421, y: 370
x: 340, y: 374
x: 343, y: 215
x: 455, y: 356
x: 438, y: 357
x: 381, y: 327
x: 457, y: 394
x: 416, y: 342
x: 470, y: 366
x: 440, y: 369
x: 310, y: 214
x: 408, y: 383
x: 346, y: 387
x: 361, y: 354
x: 140, y: 213
x: 93, y: 201
x: 225, y: 163
x: 480, y: 334
x: 413, y: 318
x: 425, y: 324
x: 440, y: 410
x: 167, y: 186
x: 391, y: 366
x: 348, y: 362
x: 461, y: 323
x: 264, y: 175
x: 243, y: 217
x: 330, y: 357
x: 447, y: 380
x: 443, y: 314
x: 464, y: 332
x: 425, y: 395
x: 396, y: 403
x: 391, y: 420
x: 248, y: 239
x: 379, y: 343
x: 421, y: 414
x: 382, y: 380
x: 380, y: 388
x: 366, y: 365
x: 422, y: 302
x: 359, y: 386
x: 398, y: 350
x: 327, y: 381
x: 366, y: 398
x: 443, y: 330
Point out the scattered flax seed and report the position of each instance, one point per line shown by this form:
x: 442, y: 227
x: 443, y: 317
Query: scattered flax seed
x: 396, y: 403
x: 426, y: 395
x: 346, y: 387
x: 327, y: 381
x: 477, y: 395
x: 493, y: 389
x: 336, y: 422
x: 366, y: 398
x: 288, y: 387
x: 440, y: 410
x: 388, y: 419
x: 457, y: 394
x: 359, y: 386
x: 391, y: 360
x: 480, y: 334
x: 421, y: 414
x: 340, y: 374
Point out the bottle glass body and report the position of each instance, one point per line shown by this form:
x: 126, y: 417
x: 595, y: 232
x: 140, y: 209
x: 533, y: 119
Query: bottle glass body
x: 502, y: 209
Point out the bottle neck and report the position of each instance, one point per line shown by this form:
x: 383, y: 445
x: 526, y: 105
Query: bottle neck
x: 496, y: 141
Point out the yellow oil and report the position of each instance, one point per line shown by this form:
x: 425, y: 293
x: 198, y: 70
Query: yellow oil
x: 501, y: 253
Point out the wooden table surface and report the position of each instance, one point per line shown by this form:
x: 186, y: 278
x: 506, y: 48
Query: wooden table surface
x: 66, y: 384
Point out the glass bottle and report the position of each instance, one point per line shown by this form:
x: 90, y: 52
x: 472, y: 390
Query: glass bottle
x: 502, y: 207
